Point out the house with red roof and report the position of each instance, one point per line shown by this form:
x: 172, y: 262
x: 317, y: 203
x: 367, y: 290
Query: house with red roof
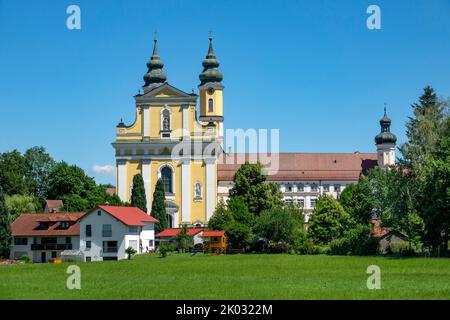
x: 107, y: 231
x: 44, y: 236
x: 169, y: 235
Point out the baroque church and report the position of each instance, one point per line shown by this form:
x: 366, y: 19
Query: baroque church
x: 172, y: 140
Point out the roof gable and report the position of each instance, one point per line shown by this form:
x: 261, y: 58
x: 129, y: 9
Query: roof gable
x: 166, y: 91
x: 130, y: 216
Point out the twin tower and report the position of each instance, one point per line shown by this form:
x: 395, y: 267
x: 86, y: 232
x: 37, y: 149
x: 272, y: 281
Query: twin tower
x: 169, y: 141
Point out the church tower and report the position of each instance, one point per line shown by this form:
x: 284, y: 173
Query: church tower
x: 385, y: 142
x: 211, y: 91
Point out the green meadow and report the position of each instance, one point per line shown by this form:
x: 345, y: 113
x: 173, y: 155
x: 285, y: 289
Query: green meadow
x: 242, y: 276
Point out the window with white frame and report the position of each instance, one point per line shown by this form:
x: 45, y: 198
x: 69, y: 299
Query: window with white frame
x: 326, y: 188
x: 313, y: 202
x: 301, y: 187
x: 337, y: 188
x: 314, y: 187
x: 301, y: 203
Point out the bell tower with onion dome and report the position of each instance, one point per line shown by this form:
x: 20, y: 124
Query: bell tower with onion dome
x: 385, y: 142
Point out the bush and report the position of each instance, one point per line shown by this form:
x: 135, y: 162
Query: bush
x: 26, y: 259
x: 130, y: 252
x: 164, y: 249
x: 401, y: 249
x: 308, y: 247
x: 357, y: 241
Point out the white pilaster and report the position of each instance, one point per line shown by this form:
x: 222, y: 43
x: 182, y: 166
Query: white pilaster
x: 185, y: 191
x: 146, y: 121
x: 122, y: 180
x: 146, y: 175
x: 185, y: 121
x: 210, y: 188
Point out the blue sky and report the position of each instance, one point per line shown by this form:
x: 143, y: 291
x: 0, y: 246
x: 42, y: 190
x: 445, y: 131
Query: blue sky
x: 310, y: 68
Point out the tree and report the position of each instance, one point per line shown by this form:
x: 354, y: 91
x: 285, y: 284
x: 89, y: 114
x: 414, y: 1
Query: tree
x: 159, y: 206
x: 39, y: 164
x: 249, y: 183
x: 357, y: 200
x: 424, y: 130
x: 5, y: 228
x: 138, y: 197
x: 66, y: 180
x: 329, y: 221
x: 435, y: 188
x: 18, y: 204
x: 183, y: 238
x: 403, y: 194
x: 280, y: 224
x: 220, y: 218
x: 14, y: 175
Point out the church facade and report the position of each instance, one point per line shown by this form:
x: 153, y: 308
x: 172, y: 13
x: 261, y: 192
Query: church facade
x: 173, y: 141
x: 169, y: 140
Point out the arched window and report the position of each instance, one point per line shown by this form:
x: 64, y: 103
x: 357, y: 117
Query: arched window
x: 166, y: 176
x: 197, y: 190
x: 210, y: 105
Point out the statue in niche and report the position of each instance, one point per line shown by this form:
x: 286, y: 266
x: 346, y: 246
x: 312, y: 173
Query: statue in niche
x: 198, y: 190
x: 166, y: 120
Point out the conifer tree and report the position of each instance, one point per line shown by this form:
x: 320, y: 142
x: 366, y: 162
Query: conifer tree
x: 159, y: 206
x: 5, y: 228
x: 138, y: 198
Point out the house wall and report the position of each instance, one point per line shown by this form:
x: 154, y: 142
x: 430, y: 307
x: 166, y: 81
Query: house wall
x: 121, y: 233
x: 18, y: 251
x: 119, y: 230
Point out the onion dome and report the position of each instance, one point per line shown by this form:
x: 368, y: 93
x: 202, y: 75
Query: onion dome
x: 385, y: 136
x: 155, y: 76
x: 210, y: 73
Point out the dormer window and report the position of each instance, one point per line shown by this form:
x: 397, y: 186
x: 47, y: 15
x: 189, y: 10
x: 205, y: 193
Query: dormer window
x: 42, y: 226
x: 64, y: 225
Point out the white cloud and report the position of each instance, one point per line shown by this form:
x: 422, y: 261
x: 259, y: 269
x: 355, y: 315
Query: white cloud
x: 106, y: 169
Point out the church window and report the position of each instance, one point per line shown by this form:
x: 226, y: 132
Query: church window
x: 210, y: 105
x: 166, y: 176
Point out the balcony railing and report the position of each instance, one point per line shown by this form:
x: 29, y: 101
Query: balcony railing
x: 51, y: 246
x: 109, y: 249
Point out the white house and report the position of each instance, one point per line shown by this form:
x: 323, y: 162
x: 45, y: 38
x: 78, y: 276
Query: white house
x: 43, y: 236
x: 107, y: 231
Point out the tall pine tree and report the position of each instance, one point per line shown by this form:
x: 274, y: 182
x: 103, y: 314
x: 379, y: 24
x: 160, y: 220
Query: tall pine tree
x: 5, y: 228
x: 159, y: 206
x: 138, y: 198
x: 424, y: 130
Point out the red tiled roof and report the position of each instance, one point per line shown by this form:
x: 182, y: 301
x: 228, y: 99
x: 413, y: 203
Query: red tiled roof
x: 26, y: 224
x: 111, y: 190
x: 131, y: 216
x: 300, y: 166
x: 172, y: 232
x: 377, y: 230
x: 54, y: 205
x: 213, y: 234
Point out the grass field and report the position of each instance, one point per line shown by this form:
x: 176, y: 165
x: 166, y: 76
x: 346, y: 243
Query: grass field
x: 180, y: 276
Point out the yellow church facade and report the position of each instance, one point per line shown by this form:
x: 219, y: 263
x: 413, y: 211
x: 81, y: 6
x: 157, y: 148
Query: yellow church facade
x: 170, y: 141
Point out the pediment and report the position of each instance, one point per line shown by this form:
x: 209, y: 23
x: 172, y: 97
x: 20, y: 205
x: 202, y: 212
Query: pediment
x: 166, y: 91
